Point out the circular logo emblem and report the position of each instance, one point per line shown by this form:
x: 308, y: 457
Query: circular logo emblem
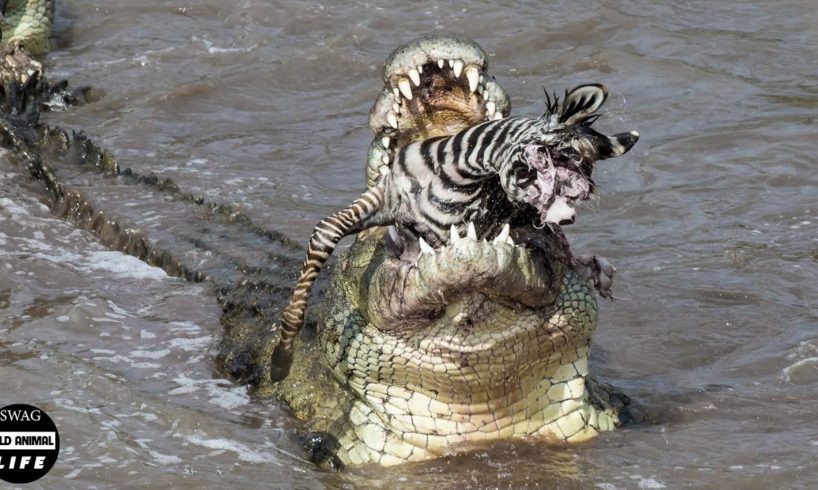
x: 29, y: 443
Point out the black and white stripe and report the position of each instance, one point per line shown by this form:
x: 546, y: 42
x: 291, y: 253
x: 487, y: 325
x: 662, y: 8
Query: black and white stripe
x: 445, y: 181
x: 363, y: 213
x: 435, y: 183
x: 449, y: 181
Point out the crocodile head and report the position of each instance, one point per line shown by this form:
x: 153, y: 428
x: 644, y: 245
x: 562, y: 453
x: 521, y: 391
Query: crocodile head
x: 433, y: 86
x: 487, y: 336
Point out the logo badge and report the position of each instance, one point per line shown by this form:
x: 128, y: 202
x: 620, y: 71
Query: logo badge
x: 29, y: 443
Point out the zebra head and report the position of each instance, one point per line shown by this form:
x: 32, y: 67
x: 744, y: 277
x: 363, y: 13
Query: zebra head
x: 552, y: 165
x: 570, y: 124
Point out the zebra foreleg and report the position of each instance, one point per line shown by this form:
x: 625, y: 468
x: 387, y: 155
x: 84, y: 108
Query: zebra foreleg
x: 365, y: 212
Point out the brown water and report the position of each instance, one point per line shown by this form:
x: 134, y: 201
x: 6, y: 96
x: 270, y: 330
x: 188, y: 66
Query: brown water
x: 712, y: 222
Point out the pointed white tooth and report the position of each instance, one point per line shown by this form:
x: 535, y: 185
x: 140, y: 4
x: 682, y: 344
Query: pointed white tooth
x: 503, y: 236
x: 425, y: 248
x: 420, y: 68
x: 481, y: 79
x: 383, y: 170
x: 392, y: 119
x: 510, y: 241
x: 385, y: 159
x: 458, y: 68
x: 441, y: 64
x: 396, y: 92
x: 473, y: 75
x: 497, y: 115
x: 415, y: 76
x: 405, y: 88
x: 471, y: 233
x: 386, y: 140
x: 480, y: 89
x: 396, y: 108
x: 451, y: 63
x: 454, y: 236
x: 490, y: 108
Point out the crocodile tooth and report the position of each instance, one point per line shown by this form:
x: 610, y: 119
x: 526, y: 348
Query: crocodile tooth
x: 490, y: 108
x: 405, y: 88
x: 425, y: 248
x: 385, y: 159
x: 497, y: 116
x: 392, y: 119
x: 480, y: 89
x: 473, y: 75
x: 503, y: 236
x: 454, y: 236
x: 451, y: 62
x: 393, y: 233
x: 441, y: 64
x: 396, y: 108
x: 510, y: 241
x: 481, y: 79
x: 415, y: 76
x: 420, y: 68
x: 471, y: 233
x: 458, y: 67
x: 383, y: 170
x: 396, y: 92
x: 386, y: 140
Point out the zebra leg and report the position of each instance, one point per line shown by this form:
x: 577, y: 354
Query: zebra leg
x: 365, y: 212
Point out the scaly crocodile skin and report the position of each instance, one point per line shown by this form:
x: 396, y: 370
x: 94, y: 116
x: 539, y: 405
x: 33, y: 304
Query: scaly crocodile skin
x: 480, y: 370
x: 27, y: 22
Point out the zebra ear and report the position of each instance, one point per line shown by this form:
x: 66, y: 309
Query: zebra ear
x: 581, y: 102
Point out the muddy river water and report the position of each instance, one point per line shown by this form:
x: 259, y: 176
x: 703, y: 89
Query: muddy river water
x: 711, y: 221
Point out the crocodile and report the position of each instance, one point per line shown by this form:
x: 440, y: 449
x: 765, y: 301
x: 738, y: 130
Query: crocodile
x: 25, y: 29
x: 434, y: 350
x: 409, y: 355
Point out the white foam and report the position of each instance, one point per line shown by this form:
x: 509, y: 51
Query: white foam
x: 184, y: 326
x: 244, y: 453
x: 118, y: 359
x: 164, y: 458
x: 194, y: 344
x: 103, y: 351
x: 123, y: 265
x: 650, y: 483
x: 12, y: 207
x: 787, y: 372
x: 228, y: 399
x: 150, y: 354
x: 116, y: 309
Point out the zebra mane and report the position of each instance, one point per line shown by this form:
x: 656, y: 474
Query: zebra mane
x: 552, y: 102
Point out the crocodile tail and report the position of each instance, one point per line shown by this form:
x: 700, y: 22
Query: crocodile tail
x: 363, y: 213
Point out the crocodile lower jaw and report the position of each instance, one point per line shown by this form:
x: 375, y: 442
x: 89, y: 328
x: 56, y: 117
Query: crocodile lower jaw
x: 395, y: 425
